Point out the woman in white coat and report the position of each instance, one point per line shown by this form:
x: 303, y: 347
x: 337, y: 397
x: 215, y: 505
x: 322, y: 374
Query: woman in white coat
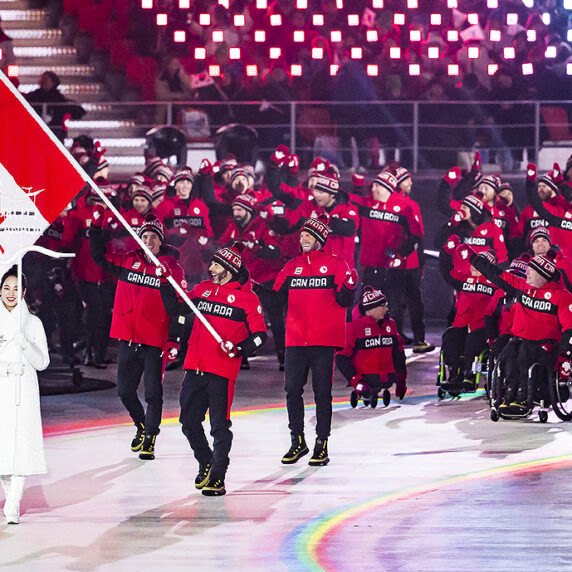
x: 23, y: 350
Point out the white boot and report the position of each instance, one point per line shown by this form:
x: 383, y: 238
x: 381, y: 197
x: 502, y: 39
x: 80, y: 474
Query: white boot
x: 5, y: 480
x: 13, y: 498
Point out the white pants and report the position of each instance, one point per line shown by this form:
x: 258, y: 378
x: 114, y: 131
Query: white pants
x: 13, y: 486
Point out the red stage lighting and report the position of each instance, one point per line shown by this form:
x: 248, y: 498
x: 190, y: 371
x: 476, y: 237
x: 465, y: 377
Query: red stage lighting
x: 377, y: 4
x: 200, y: 53
x: 495, y: 35
x: 508, y: 53
x: 234, y: 53
x: 275, y: 53
x: 550, y: 52
x: 318, y: 19
x: 146, y: 4
x: 531, y: 36
x: 453, y: 69
x: 276, y: 19
x: 353, y: 20
x: 473, y: 19
x: 251, y: 70
x: 340, y: 4
x: 511, y: 19
x: 433, y: 52
x: 299, y: 36
x: 492, y: 69
x: 527, y: 69
x: 452, y: 4
x: 414, y: 69
x: 435, y: 19
x: 317, y: 53
x: 301, y: 4
x: 184, y: 4
x: 259, y: 36
x: 239, y: 20
x: 356, y: 53
x: 473, y: 52
x: 334, y: 68
x: 13, y: 70
x: 492, y: 4
x: 414, y: 35
x: 179, y: 36
x: 395, y: 52
x: 296, y: 70
x: 335, y: 36
x: 224, y: 3
x: 412, y: 4
x: 262, y: 4
x: 373, y: 70
x: 205, y: 19
x: 218, y: 36
x: 162, y: 19
x: 214, y: 70
x: 399, y: 19
x: 372, y: 35
x: 452, y: 36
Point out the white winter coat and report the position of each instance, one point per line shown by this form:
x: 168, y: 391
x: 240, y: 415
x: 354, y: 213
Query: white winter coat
x: 21, y: 439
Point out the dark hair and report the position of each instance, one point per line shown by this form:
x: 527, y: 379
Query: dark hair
x: 14, y: 272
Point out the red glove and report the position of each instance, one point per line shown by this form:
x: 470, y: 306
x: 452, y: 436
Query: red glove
x: 457, y: 218
x: 280, y: 155
x: 451, y: 244
x: 229, y: 348
x: 556, y: 174
x: 162, y: 272
x: 564, y: 368
x: 490, y: 342
x: 356, y: 382
x: 531, y: 172
x: 465, y: 251
x: 66, y: 120
x: 97, y: 215
x: 476, y: 166
x: 205, y: 168
x: 99, y: 151
x: 293, y: 162
x: 172, y: 351
x: 358, y: 180
x: 453, y: 176
x: 396, y: 260
x: 351, y: 279
x: 401, y: 385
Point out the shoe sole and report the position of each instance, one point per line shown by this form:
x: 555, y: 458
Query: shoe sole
x: 146, y: 456
x: 423, y: 351
x: 318, y: 463
x: 214, y: 492
x: 291, y: 461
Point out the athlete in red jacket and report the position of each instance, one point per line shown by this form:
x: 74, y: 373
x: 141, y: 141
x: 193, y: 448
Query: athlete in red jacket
x: 234, y: 311
x: 318, y: 287
x: 142, y: 324
x: 374, y: 350
x: 542, y: 314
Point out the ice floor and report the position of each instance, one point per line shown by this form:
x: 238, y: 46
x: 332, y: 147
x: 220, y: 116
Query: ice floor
x: 422, y: 485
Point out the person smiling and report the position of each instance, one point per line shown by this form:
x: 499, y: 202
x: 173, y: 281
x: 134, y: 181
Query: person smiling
x: 23, y: 351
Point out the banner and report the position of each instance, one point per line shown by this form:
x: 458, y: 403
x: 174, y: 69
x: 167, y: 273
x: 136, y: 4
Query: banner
x: 37, y: 179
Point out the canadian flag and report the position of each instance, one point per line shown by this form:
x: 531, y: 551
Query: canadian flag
x: 37, y: 176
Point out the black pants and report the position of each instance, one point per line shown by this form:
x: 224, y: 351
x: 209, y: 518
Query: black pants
x: 518, y: 356
x: 408, y: 295
x: 274, y: 310
x: 202, y: 391
x: 499, y: 345
x: 299, y: 360
x: 98, y: 300
x: 134, y: 361
x: 459, y: 342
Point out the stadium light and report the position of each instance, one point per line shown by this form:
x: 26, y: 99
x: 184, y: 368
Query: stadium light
x: 399, y: 19
x: 492, y: 4
x: 205, y: 19
x: 251, y: 70
x: 318, y: 19
x: 473, y: 52
x: 492, y: 69
x: 317, y: 53
x: 508, y: 53
x: 275, y: 53
x: 452, y: 36
x: 335, y: 36
x: 453, y: 69
x: 184, y: 4
x: 296, y: 70
x: 511, y: 19
x: 146, y: 4
x: 262, y: 4
x: 372, y: 36
x: 334, y: 68
x: 433, y: 52
x: 527, y: 68
x: 299, y: 36
x: 218, y: 36
x: 546, y: 18
x: 356, y: 53
x: 473, y: 19
x: 276, y: 19
x: 412, y: 4
x: 550, y: 52
x: 179, y: 36
x: 452, y: 4
x: 377, y: 4
x: 162, y: 19
x: 372, y: 70
x: 234, y: 54
x: 239, y: 20
x: 353, y: 19
x: 414, y: 35
x: 200, y: 53
x: 495, y: 35
x: 531, y: 36
x: 301, y: 4
x: 414, y: 69
x: 214, y: 70
x: 259, y: 36
x: 435, y: 19
x: 395, y: 52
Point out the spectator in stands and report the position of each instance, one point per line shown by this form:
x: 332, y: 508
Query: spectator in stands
x: 6, y: 49
x: 171, y: 84
x: 48, y: 92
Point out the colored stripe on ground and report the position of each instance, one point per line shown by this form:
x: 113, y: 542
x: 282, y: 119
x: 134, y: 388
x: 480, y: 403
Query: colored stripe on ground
x: 307, y: 545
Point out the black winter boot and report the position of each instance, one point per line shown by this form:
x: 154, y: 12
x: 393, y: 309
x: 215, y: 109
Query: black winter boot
x: 214, y: 488
x: 148, y: 449
x: 137, y: 442
x: 203, y: 475
x: 320, y: 455
x: 297, y: 450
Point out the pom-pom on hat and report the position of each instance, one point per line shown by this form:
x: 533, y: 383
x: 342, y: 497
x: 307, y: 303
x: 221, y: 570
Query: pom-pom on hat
x: 229, y: 257
x: 318, y: 228
x: 386, y: 180
x: 371, y: 298
x: 152, y: 224
x: 228, y: 163
x: 545, y: 265
x: 318, y: 165
x: 475, y: 206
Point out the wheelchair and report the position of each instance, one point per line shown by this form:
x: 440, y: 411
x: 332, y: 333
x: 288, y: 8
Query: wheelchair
x: 362, y: 390
x: 546, y: 390
x: 480, y: 368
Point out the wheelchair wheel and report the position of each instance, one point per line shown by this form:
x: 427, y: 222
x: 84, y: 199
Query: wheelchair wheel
x: 561, y: 397
x: 373, y: 402
x: 543, y: 416
x: 386, y: 396
x: 366, y: 402
x: 494, y: 415
x: 353, y: 399
x: 441, y: 393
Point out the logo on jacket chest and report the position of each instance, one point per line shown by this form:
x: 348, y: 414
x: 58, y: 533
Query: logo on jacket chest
x: 136, y: 265
x: 206, y: 293
x: 298, y: 270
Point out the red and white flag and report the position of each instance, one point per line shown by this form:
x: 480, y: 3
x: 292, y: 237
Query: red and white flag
x: 37, y: 177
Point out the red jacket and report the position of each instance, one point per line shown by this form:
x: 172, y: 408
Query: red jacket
x: 385, y: 226
x: 188, y: 227
x: 122, y: 242
x: 312, y: 283
x: 234, y: 311
x: 485, y: 237
x: 529, y: 218
x: 474, y: 295
x: 76, y: 239
x: 371, y: 345
x: 499, y: 315
x: 139, y: 315
x: 256, y: 236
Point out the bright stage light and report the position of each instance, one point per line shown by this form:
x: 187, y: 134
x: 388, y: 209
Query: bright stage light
x: 214, y: 70
x: 205, y: 19
x: 395, y: 52
x: 239, y: 20
x: 180, y: 36
x: 527, y: 69
x: 275, y: 53
x: 508, y: 53
x: 162, y: 19
x: 317, y: 53
x: 453, y: 69
x: 492, y: 69
x: 353, y: 20
x: 414, y: 69
x: 251, y: 70
x: 473, y: 52
x: 296, y: 70
x: 234, y: 54
x: 433, y: 52
x: 399, y: 19
x: 414, y: 35
x: 335, y: 36
x: 435, y: 19
x: 473, y: 19
x: 218, y: 36
x: 356, y: 53
x: 495, y: 35
x: 299, y: 36
x: 372, y: 36
x: 452, y: 36
x: 200, y: 53
x: 276, y: 19
x: 146, y: 4
x: 372, y: 70
x: 259, y: 36
x: 334, y: 68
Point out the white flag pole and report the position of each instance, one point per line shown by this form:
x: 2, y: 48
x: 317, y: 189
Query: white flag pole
x: 108, y: 203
